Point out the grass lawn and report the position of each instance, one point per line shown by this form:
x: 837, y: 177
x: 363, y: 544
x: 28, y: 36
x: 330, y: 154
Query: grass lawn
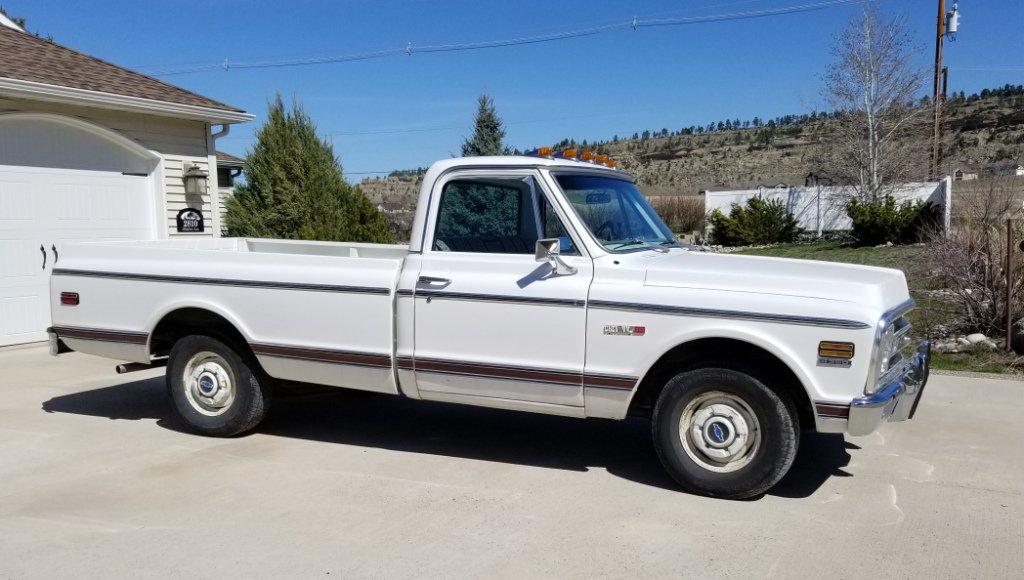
x: 930, y: 311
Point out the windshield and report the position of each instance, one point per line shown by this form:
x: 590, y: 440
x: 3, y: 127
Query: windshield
x: 615, y: 212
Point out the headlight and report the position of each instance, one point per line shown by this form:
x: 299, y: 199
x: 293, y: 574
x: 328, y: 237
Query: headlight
x: 891, y: 355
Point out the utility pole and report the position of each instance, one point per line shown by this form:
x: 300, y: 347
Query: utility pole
x: 1009, y: 283
x: 940, y: 31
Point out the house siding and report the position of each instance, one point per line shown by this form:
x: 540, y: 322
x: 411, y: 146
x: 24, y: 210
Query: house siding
x: 179, y: 142
x: 223, y: 194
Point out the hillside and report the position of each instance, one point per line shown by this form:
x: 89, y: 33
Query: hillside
x: 981, y: 131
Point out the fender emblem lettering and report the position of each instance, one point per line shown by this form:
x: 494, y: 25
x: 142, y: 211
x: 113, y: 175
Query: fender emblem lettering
x: 623, y: 330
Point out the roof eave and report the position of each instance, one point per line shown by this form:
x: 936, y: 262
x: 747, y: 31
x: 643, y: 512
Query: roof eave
x: 56, y: 93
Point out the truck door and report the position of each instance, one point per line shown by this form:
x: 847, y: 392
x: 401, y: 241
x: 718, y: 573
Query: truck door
x: 492, y: 324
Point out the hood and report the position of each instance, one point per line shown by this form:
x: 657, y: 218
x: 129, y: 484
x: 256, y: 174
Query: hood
x: 868, y: 285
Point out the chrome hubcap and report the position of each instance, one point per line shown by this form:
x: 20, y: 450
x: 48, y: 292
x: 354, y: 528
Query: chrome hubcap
x: 719, y: 431
x: 208, y: 385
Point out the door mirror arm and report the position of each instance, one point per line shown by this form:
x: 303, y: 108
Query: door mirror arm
x: 550, y: 250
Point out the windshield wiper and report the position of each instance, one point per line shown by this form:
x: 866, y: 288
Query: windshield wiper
x: 640, y: 242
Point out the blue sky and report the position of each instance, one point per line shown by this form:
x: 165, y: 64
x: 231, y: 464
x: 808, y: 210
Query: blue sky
x: 587, y: 88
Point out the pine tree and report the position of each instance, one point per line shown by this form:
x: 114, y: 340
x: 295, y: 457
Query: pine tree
x: 295, y: 190
x: 488, y: 134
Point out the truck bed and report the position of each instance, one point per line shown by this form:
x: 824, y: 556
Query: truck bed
x: 321, y: 299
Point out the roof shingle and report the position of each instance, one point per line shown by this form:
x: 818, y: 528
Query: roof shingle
x: 28, y: 58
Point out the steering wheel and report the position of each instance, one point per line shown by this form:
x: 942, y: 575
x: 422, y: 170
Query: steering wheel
x: 612, y: 227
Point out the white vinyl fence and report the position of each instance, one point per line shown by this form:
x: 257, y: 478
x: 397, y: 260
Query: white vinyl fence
x: 823, y: 208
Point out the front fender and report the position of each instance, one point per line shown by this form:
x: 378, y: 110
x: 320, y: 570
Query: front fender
x: 754, y: 336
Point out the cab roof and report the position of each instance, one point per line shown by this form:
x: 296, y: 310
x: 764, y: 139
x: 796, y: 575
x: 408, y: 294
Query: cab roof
x: 517, y: 161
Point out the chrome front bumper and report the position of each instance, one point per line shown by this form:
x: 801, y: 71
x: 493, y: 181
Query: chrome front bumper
x: 897, y: 401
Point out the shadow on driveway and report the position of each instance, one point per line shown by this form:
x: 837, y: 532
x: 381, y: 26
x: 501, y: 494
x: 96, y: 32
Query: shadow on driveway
x: 400, y: 424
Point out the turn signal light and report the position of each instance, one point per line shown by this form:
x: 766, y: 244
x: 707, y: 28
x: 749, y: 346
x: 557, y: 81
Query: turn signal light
x: 841, y: 350
x: 69, y: 298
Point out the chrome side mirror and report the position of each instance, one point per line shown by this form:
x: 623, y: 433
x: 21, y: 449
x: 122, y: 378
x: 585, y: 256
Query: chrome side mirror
x: 550, y: 251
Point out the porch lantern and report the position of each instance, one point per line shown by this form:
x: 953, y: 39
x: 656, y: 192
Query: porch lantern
x: 195, y: 180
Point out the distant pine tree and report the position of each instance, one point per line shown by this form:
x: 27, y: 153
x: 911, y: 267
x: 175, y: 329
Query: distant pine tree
x: 488, y: 134
x: 295, y: 190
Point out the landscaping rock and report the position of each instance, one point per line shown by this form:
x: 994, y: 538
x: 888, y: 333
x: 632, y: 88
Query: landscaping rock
x: 976, y: 338
x: 989, y: 344
x: 946, y: 347
x: 963, y: 341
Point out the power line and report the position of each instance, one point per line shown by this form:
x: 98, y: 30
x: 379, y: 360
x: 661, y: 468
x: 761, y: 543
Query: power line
x: 409, y: 49
x: 988, y: 68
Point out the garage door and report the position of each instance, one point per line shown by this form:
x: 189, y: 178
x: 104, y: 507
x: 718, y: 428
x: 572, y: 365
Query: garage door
x: 43, y: 207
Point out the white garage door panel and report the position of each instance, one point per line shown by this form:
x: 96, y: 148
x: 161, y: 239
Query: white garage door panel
x: 42, y: 207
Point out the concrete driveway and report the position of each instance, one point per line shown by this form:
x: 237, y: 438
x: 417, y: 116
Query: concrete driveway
x: 97, y: 479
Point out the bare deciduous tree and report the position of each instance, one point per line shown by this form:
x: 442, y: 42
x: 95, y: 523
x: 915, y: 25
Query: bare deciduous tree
x: 879, y: 140
x: 682, y: 213
x: 971, y: 261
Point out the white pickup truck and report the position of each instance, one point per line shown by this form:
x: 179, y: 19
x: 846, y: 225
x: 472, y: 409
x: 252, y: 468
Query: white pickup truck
x: 536, y: 283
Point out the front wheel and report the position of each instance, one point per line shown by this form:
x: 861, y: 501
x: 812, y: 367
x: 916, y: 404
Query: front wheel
x: 214, y: 389
x: 723, y: 433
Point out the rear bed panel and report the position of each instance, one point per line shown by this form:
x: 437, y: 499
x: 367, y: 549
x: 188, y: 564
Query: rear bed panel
x: 309, y: 313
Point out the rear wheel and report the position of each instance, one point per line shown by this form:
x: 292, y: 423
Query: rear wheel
x: 214, y: 389
x: 723, y: 433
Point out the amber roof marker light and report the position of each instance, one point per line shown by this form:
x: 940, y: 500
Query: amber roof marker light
x: 574, y: 155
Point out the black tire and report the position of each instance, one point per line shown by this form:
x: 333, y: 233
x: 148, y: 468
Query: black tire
x: 250, y: 388
x: 756, y: 471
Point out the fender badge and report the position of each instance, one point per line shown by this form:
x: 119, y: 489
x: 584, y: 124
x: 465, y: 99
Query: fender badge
x: 623, y: 330
x: 824, y: 361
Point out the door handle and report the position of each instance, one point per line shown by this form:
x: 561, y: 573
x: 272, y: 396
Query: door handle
x: 433, y: 281
x: 43, y: 250
x: 55, y: 255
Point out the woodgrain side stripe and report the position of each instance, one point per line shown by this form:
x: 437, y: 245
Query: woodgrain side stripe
x: 102, y: 335
x: 324, y: 355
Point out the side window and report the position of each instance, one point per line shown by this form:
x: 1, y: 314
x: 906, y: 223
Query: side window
x: 496, y: 216
x: 486, y: 215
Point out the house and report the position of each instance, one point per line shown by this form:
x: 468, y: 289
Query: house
x: 88, y: 151
x: 229, y: 168
x: 814, y: 179
x: 962, y: 175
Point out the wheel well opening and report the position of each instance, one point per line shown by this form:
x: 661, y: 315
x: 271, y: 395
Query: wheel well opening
x: 727, y: 353
x: 186, y: 321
